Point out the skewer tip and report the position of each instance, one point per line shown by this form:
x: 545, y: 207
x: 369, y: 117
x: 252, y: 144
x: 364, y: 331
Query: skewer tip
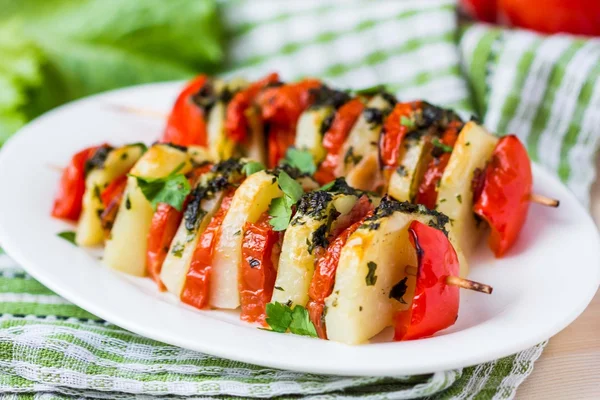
x: 470, y: 285
x: 543, y: 200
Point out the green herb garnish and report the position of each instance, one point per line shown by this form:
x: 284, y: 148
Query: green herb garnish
x: 370, y: 91
x: 444, y: 147
x: 281, y: 208
x: 281, y: 317
x: 301, y: 159
x: 371, y: 278
x: 252, y: 167
x: 327, y: 186
x: 459, y: 198
x: 171, y: 189
x: 69, y: 236
x: 399, y: 290
x: 407, y: 122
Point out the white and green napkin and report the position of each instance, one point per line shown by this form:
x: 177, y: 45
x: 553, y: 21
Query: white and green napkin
x: 546, y: 89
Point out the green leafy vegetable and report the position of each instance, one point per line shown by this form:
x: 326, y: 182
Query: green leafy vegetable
x: 445, y: 148
x: 171, y: 189
x: 371, y: 278
x: 54, y: 52
x: 252, y: 167
x: 327, y: 186
x: 281, y: 207
x: 407, y: 122
x: 281, y: 317
x: 301, y: 159
x: 69, y: 236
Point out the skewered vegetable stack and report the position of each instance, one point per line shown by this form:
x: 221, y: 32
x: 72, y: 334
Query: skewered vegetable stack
x: 316, y: 211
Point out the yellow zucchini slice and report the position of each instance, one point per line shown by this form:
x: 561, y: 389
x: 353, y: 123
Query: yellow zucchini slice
x: 249, y: 202
x: 415, y: 155
x: 472, y: 151
x: 309, y: 134
x: 117, y: 163
x: 126, y: 247
x: 307, y: 231
x: 372, y: 262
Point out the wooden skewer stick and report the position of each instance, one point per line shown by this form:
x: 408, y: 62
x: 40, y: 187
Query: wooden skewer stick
x: 55, y: 167
x: 456, y: 281
x: 543, y: 200
x: 139, y: 111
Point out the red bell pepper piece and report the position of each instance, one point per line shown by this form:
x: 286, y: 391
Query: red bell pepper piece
x: 164, y: 225
x: 236, y: 123
x: 504, y: 199
x: 196, y: 289
x: 321, y: 284
x: 427, y: 193
x: 186, y: 124
x: 111, y: 198
x: 258, y: 269
x: 280, y: 138
x: 435, y: 303
x: 69, y: 199
x: 394, y: 131
x: 334, y: 138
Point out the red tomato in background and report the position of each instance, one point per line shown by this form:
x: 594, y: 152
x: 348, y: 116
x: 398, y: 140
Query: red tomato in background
x: 580, y: 17
x: 482, y: 10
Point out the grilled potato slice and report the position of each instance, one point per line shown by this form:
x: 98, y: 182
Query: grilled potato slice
x: 177, y: 262
x: 126, y: 247
x: 372, y: 262
x: 414, y: 158
x: 309, y: 134
x: 117, y: 163
x: 219, y: 145
x: 249, y: 202
x: 473, y: 149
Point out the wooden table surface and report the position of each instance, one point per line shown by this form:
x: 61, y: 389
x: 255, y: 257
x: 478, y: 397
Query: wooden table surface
x: 569, y: 367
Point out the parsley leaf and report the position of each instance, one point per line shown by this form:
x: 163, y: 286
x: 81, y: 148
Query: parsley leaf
x: 171, y: 189
x: 252, y: 167
x: 327, y: 186
x: 281, y: 317
x: 436, y: 142
x: 290, y: 187
x: 69, y: 236
x: 371, y: 90
x: 281, y: 207
x: 399, y: 290
x: 407, y: 122
x: 301, y: 159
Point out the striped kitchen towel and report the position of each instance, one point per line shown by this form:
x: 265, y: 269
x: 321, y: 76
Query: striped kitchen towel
x: 50, y: 348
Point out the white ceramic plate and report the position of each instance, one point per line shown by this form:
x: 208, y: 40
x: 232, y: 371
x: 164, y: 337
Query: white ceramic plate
x: 541, y: 286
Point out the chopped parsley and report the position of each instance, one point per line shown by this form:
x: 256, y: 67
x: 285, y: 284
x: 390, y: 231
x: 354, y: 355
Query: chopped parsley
x: 279, y: 288
x: 178, y: 250
x: 444, y: 147
x: 407, y: 122
x: 327, y: 186
x: 301, y: 159
x: 280, y: 209
x: 127, y: 203
x: 459, y: 198
x: 370, y: 91
x: 399, y: 290
x: 401, y: 171
x: 171, y: 189
x: 252, y: 167
x: 371, y: 278
x: 281, y: 317
x: 69, y: 236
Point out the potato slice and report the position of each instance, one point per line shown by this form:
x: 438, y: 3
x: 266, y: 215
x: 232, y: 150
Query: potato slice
x: 255, y: 146
x: 360, y: 151
x: 472, y: 151
x: 200, y: 155
x: 249, y: 202
x: 177, y: 262
x: 126, y: 247
x: 415, y: 155
x: 372, y: 262
x: 308, y: 229
x: 309, y: 135
x: 219, y: 145
x: 118, y: 162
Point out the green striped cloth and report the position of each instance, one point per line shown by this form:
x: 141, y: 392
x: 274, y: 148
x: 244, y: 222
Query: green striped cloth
x: 544, y: 89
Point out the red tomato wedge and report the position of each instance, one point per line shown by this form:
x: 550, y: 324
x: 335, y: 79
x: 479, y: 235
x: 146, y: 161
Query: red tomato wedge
x: 504, y: 199
x: 236, y: 123
x: 334, y: 138
x: 68, y: 200
x: 196, y: 290
x: 435, y: 303
x: 394, y: 130
x: 427, y: 192
x: 280, y: 139
x: 186, y: 125
x: 321, y: 284
x: 164, y: 225
x: 258, y: 269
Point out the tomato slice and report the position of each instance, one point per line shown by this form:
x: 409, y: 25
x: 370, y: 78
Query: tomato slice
x: 258, y: 269
x: 321, y: 284
x: 435, y: 303
x: 196, y: 290
x: 186, y: 125
x: 504, y: 199
x: 394, y: 131
x: 236, y: 123
x: 334, y: 138
x: 427, y: 192
x: 111, y: 198
x: 69, y: 199
x: 280, y: 138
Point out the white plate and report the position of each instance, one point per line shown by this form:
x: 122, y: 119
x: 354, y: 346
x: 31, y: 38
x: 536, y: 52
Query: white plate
x: 543, y: 284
